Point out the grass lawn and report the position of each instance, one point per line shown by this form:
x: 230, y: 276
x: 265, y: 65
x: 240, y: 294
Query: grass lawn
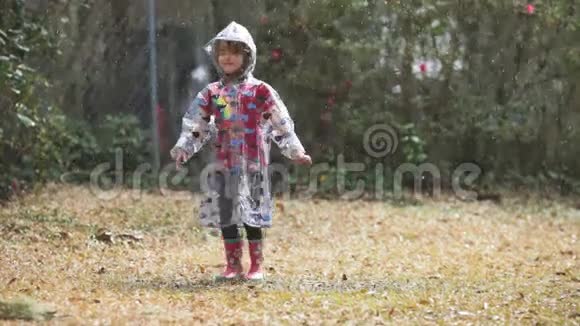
x: 77, y: 259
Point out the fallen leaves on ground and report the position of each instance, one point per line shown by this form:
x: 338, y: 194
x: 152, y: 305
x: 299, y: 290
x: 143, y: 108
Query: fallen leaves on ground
x: 327, y: 262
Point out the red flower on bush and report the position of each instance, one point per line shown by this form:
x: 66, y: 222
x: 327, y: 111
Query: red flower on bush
x: 530, y: 9
x: 326, y: 116
x: 348, y: 84
x: 331, y: 100
x: 15, y: 186
x: 276, y: 54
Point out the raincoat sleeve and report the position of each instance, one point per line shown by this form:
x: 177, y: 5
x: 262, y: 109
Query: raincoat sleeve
x: 282, y: 127
x: 196, y: 126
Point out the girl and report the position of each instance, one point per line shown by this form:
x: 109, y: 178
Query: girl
x: 240, y: 116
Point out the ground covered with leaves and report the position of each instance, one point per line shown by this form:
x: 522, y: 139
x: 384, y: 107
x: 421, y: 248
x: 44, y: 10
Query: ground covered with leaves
x: 71, y: 258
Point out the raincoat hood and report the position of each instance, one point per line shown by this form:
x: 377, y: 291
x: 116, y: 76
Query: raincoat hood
x: 237, y: 33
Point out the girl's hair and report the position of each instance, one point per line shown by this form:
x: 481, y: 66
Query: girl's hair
x: 235, y: 47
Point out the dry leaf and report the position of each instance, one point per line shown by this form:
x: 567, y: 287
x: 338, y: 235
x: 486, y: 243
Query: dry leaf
x: 463, y: 313
x: 131, y: 237
x: 280, y: 206
x: 392, y: 312
x: 105, y: 236
x: 65, y: 235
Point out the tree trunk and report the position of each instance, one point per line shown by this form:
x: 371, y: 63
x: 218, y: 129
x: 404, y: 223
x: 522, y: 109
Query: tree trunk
x: 407, y: 80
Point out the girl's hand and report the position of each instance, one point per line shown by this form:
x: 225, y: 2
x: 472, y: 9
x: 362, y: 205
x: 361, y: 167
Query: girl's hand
x: 303, y: 158
x: 180, y: 158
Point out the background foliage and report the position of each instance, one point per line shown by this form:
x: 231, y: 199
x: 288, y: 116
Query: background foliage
x: 489, y: 82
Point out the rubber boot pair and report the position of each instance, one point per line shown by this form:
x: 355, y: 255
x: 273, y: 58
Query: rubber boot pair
x: 234, y: 269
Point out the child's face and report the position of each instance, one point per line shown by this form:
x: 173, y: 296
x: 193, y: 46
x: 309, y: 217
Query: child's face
x: 230, y: 57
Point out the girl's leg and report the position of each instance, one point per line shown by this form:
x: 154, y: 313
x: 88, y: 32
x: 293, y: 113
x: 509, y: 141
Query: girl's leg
x: 255, y: 244
x: 230, y: 232
x: 253, y: 233
x: 231, y: 237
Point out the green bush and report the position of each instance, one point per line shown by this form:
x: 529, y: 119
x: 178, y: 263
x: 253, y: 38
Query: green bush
x: 37, y: 141
x: 24, y: 127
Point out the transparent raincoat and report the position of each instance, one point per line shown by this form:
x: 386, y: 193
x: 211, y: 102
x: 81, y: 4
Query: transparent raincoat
x: 238, y: 120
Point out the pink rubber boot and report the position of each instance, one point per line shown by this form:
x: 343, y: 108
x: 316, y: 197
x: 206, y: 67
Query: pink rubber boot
x: 256, y: 257
x: 234, y: 270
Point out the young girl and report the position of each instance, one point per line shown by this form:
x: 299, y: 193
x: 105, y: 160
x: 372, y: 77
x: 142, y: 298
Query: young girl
x: 240, y: 116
